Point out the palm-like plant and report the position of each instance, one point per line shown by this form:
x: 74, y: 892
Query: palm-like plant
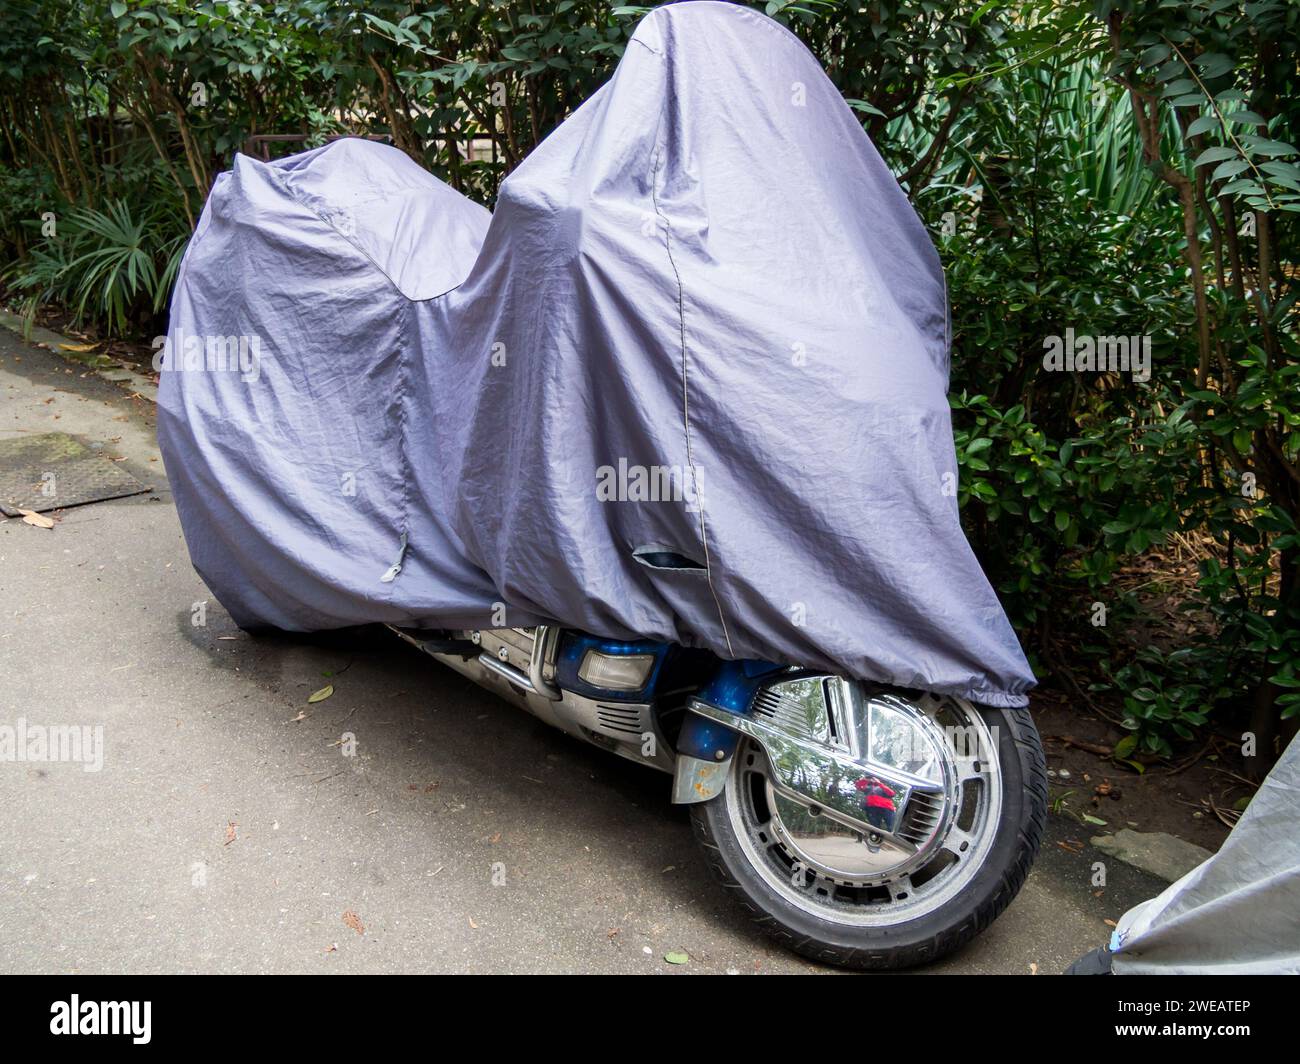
x: 108, y: 264
x: 1025, y: 111
x: 41, y: 277
x: 115, y: 266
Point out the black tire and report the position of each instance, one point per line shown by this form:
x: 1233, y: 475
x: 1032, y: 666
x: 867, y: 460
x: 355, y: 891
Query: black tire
x: 924, y: 939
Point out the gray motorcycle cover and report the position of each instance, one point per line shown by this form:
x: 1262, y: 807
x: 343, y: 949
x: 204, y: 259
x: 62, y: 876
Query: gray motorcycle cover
x: 687, y: 383
x: 1237, y: 913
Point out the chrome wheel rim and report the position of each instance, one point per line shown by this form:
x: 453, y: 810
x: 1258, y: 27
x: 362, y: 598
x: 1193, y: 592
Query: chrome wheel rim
x: 898, y: 881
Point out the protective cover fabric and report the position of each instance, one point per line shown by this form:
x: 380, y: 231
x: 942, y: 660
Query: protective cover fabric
x: 1237, y: 913
x: 687, y: 383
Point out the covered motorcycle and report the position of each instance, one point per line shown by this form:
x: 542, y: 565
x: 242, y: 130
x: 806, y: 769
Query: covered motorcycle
x: 685, y: 388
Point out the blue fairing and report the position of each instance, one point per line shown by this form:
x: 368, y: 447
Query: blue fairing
x: 727, y: 684
x: 735, y: 683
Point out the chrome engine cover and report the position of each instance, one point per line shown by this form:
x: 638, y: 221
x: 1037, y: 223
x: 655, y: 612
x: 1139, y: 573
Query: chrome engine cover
x: 513, y: 665
x: 862, y: 782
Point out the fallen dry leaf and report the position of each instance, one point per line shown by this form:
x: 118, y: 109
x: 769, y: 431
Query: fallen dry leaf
x: 31, y: 517
x: 495, y: 838
x: 230, y: 832
x: 472, y: 923
x: 1110, y: 923
x: 333, y: 947
x: 354, y: 921
x: 322, y: 694
x: 77, y: 347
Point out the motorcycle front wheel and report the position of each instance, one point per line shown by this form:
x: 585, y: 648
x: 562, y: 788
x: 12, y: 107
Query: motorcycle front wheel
x: 900, y: 906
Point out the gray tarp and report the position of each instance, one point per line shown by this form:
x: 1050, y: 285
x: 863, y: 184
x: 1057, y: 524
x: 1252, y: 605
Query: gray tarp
x: 687, y: 383
x: 1237, y: 913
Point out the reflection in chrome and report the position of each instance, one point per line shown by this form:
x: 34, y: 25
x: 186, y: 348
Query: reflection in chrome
x: 862, y: 804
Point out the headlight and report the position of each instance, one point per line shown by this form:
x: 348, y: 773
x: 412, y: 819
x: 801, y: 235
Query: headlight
x: 616, y: 672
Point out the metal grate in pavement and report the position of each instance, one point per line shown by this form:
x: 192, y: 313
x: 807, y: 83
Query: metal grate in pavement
x: 54, y: 471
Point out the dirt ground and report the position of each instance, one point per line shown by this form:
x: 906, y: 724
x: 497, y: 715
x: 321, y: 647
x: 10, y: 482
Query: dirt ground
x: 134, y: 353
x: 1180, y: 797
